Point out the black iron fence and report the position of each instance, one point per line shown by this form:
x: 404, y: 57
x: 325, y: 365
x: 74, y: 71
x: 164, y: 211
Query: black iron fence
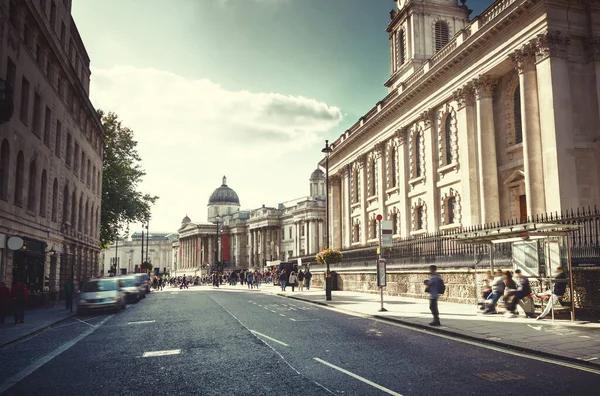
x: 438, y: 248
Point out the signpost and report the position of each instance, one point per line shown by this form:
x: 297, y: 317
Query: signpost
x: 383, y: 242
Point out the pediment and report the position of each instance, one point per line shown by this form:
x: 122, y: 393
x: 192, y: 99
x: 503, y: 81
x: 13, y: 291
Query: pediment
x: 517, y: 176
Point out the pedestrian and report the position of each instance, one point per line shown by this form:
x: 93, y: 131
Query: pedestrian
x: 486, y: 288
x: 4, y: 301
x: 19, y: 294
x: 523, y: 290
x: 498, y: 287
x: 300, y: 280
x: 250, y: 280
x: 307, y: 278
x: 283, y: 280
x: 433, y: 287
x: 293, y: 280
x: 560, y: 287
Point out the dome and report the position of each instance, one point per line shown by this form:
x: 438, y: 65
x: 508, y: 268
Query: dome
x: 186, y: 220
x: 317, y: 174
x: 224, y: 195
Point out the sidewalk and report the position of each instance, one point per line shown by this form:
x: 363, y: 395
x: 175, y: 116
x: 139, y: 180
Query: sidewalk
x: 577, y: 341
x: 35, y: 320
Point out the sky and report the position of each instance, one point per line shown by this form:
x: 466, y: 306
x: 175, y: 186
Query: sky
x: 248, y: 89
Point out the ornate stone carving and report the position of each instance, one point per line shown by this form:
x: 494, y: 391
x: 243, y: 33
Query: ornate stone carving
x: 555, y: 44
x: 378, y: 149
x: 524, y: 58
x: 464, y: 96
x: 361, y: 160
x: 401, y: 134
x: 592, y: 46
x: 443, y: 142
x: 485, y: 86
x: 425, y: 117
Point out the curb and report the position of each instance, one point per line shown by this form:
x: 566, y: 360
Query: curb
x: 40, y: 330
x: 457, y: 334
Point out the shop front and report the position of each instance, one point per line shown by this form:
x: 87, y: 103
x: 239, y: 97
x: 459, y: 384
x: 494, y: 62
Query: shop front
x: 28, y: 264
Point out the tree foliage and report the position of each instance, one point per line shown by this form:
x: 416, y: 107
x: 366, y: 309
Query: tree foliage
x: 122, y: 203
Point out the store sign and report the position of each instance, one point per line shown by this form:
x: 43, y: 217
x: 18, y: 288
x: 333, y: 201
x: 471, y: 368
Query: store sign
x: 386, y: 234
x: 381, y: 273
x: 15, y: 243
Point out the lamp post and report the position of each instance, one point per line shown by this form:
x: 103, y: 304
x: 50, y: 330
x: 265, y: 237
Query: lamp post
x: 217, y: 219
x: 116, y: 250
x: 147, y: 235
x: 327, y: 151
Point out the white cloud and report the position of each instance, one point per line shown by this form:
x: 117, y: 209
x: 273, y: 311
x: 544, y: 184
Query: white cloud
x: 191, y: 132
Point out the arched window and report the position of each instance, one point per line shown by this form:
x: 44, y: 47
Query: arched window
x: 373, y: 183
x: 356, y: 232
x: 393, y: 175
x: 80, y: 215
x: 419, y: 217
x: 400, y: 49
x: 449, y: 140
x: 43, y: 194
x: 373, y: 229
x: 32, y: 186
x: 19, y: 179
x: 417, y: 155
x: 394, y: 220
x: 451, y: 209
x: 86, y: 228
x: 4, y: 169
x: 355, y: 186
x: 442, y: 34
x: 517, y: 115
x: 54, y: 200
x: 73, y: 211
x: 65, y: 208
x: 89, y: 173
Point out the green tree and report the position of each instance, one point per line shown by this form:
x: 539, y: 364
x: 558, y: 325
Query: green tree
x: 122, y: 203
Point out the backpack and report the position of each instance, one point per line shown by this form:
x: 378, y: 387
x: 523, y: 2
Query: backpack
x: 442, y: 287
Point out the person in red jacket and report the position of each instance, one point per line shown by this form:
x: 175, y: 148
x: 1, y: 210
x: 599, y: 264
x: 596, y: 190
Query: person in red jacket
x: 19, y: 294
x: 5, y: 300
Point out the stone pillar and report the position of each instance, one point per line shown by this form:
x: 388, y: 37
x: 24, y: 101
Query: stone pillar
x: 467, y: 147
x: 431, y: 165
x: 403, y: 178
x: 309, y: 244
x: 347, y: 210
x: 335, y: 211
x: 488, y: 166
x: 364, y: 220
x: 556, y: 122
x: 524, y: 59
x: 297, y: 241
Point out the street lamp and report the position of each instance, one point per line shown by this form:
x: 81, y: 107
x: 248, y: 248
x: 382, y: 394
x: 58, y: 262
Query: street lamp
x: 327, y: 151
x: 217, y: 219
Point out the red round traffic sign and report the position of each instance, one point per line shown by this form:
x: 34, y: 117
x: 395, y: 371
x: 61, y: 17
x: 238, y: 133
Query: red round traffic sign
x: 379, y: 217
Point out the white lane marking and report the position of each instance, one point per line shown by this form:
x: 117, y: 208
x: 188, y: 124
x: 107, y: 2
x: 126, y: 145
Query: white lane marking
x: 358, y: 377
x: 273, y: 311
x: 46, y: 358
x: 142, y: 322
x: 162, y: 353
x: 83, y: 321
x: 307, y: 320
x: 174, y: 292
x: 585, y: 337
x: 269, y: 338
x: 282, y: 315
x: 293, y: 320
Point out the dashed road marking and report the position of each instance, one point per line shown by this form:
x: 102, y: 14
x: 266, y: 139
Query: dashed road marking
x: 162, y: 353
x: 268, y: 338
x: 358, y: 377
x: 142, y: 322
x: 500, y: 376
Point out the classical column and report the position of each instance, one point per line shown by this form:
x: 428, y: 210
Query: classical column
x: 431, y: 164
x: 364, y: 226
x: 381, y: 179
x: 467, y: 146
x: 403, y: 178
x: 524, y: 59
x: 297, y: 234
x: 556, y: 121
x: 488, y: 165
x: 335, y: 211
x: 347, y: 210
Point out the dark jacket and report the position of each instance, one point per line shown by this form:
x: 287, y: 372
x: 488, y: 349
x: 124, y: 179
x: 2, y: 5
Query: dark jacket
x: 308, y: 275
x: 4, y: 296
x: 560, y: 287
x: 283, y: 277
x: 19, y: 292
x: 300, y: 276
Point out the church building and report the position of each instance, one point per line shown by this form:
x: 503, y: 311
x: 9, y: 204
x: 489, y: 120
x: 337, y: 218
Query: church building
x: 486, y: 120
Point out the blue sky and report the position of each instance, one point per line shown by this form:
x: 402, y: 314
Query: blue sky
x: 244, y: 88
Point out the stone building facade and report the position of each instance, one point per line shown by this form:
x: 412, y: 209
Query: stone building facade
x: 128, y: 253
x: 50, y: 150
x: 486, y: 120
x: 251, y: 238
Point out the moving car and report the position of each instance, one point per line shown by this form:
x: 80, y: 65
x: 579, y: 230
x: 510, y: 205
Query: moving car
x: 101, y: 294
x: 133, y: 289
x: 144, y: 280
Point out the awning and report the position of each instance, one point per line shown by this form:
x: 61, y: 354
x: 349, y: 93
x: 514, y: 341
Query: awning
x: 514, y: 233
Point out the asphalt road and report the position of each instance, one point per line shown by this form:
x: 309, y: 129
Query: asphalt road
x: 204, y: 341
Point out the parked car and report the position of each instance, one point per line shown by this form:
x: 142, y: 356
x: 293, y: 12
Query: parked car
x: 101, y: 294
x: 144, y: 281
x: 133, y: 289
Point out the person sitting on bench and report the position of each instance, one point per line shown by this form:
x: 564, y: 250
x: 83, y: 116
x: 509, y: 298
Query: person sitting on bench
x: 560, y: 287
x: 523, y: 290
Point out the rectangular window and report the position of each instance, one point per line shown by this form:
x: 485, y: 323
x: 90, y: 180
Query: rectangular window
x: 37, y: 115
x: 53, y: 15
x: 27, y: 36
x: 47, y: 126
x: 82, y: 173
x: 43, y: 6
x: 24, y: 111
x: 38, y: 54
x: 76, y: 159
x: 63, y: 33
x: 68, y: 154
x: 11, y: 73
x: 13, y: 14
x: 47, y: 69
x: 58, y: 140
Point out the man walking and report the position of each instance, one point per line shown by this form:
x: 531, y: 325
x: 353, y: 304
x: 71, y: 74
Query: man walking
x: 433, y: 288
x: 19, y: 294
x: 307, y: 278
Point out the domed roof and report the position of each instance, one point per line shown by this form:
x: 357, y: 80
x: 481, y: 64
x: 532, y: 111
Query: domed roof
x: 186, y: 220
x: 224, y: 195
x: 317, y: 174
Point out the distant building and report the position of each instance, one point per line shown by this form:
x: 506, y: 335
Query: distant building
x: 251, y: 238
x: 50, y: 148
x: 127, y: 253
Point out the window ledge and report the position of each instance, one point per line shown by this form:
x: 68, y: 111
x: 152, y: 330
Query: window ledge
x: 418, y: 232
x: 452, y: 226
x: 372, y: 198
x: 355, y: 205
x: 514, y: 148
x: 448, y: 168
x: 392, y: 190
x: 415, y: 181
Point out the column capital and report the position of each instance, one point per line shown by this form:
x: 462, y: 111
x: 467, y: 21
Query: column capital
x: 464, y: 96
x: 426, y: 117
x: 378, y: 149
x: 592, y: 47
x: 524, y: 58
x: 554, y: 44
x: 485, y: 86
x: 400, y: 134
x: 335, y: 178
x: 344, y: 172
x: 361, y: 160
